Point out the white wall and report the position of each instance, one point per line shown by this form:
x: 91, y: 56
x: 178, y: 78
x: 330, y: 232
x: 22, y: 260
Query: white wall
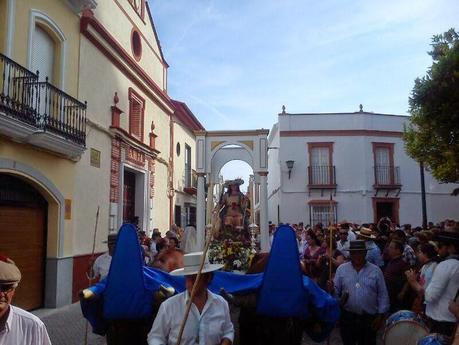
x: 354, y: 161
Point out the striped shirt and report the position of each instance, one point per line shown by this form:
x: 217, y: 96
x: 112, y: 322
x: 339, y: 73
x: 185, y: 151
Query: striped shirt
x: 366, y: 288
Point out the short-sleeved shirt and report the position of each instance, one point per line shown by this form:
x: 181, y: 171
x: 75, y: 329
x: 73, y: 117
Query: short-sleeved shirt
x: 23, y: 328
x: 102, y: 265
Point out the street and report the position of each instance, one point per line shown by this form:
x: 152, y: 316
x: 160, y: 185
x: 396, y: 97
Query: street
x: 66, y: 326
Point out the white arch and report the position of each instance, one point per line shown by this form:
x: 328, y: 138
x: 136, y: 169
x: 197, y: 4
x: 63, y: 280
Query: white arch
x: 225, y: 155
x: 42, y: 18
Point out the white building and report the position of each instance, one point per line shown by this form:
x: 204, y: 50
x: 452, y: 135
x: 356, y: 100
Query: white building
x: 356, y: 159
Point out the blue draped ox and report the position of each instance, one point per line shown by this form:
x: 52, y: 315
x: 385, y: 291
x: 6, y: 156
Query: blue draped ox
x: 282, y: 290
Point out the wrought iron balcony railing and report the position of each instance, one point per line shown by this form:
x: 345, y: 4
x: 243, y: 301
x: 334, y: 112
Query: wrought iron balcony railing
x: 191, y: 182
x: 321, y: 176
x: 387, y: 176
x: 18, y: 89
x: 40, y: 104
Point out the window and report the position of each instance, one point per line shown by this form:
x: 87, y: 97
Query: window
x: 136, y: 45
x: 178, y: 215
x: 321, y: 171
x: 384, y: 170
x: 136, y: 114
x: 322, y: 212
x: 43, y: 53
x: 139, y: 7
x: 188, y: 172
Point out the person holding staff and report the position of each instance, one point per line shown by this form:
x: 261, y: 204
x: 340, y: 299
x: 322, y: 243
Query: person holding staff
x: 209, y: 320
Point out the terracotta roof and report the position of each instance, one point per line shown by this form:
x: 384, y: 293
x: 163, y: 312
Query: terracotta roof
x: 186, y: 116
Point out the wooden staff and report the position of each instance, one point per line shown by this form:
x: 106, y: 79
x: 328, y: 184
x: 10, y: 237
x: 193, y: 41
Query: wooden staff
x: 330, y: 228
x: 193, y: 290
x: 91, y: 276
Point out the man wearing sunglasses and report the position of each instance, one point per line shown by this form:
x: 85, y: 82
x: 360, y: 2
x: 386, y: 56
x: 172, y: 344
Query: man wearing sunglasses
x: 17, y: 326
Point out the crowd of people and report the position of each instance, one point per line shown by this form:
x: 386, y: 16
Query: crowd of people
x: 379, y: 269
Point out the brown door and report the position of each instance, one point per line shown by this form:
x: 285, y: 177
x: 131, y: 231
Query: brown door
x: 129, y: 197
x: 22, y: 233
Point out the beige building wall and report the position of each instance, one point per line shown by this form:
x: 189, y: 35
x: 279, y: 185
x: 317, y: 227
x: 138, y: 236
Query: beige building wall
x: 100, y: 79
x: 121, y: 18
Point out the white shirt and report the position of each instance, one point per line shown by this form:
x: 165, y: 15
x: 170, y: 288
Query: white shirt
x: 351, y: 236
x: 23, y: 328
x: 343, y: 248
x: 441, y: 290
x: 102, y: 265
x: 209, y: 327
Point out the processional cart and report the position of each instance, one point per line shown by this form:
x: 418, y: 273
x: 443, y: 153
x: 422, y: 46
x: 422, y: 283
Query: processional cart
x: 132, y: 292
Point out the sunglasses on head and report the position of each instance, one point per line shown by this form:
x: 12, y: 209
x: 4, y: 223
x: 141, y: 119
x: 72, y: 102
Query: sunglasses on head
x: 7, y: 287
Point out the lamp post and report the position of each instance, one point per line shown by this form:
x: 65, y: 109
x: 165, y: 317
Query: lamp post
x: 423, y: 196
x: 290, y: 164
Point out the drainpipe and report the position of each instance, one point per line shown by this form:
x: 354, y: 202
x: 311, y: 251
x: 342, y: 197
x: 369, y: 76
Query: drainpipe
x: 171, y: 171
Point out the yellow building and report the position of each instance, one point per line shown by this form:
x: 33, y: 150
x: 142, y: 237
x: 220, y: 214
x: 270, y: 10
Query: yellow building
x: 42, y: 136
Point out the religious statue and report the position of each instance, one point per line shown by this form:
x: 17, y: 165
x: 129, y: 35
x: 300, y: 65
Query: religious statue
x: 235, y: 208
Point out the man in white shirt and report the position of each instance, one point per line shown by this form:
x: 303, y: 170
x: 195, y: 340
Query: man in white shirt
x: 102, y: 264
x: 343, y: 243
x: 17, y: 326
x: 443, y: 287
x: 208, y: 322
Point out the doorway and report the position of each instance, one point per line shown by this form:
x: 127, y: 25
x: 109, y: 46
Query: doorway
x: 129, y: 196
x: 23, y: 218
x: 386, y: 207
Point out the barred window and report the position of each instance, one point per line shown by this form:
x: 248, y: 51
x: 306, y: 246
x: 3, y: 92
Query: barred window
x: 323, y: 214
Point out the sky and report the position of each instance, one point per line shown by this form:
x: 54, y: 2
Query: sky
x: 236, y: 62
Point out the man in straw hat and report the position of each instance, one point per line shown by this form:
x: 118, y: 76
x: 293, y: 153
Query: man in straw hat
x: 361, y: 287
x: 444, y: 287
x: 373, y: 252
x: 17, y: 326
x: 209, y: 320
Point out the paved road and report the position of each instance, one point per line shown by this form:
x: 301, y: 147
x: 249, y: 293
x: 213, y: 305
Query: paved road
x: 66, y: 326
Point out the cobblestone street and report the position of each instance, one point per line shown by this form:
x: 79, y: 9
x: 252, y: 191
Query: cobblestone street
x: 66, y: 326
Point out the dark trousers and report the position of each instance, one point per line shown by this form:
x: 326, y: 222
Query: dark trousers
x: 357, y: 329
x: 442, y: 327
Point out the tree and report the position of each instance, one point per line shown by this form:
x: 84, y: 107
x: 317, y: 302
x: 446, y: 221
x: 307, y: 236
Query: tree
x: 432, y: 137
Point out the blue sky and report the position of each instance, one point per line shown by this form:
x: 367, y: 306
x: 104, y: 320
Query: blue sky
x: 236, y: 62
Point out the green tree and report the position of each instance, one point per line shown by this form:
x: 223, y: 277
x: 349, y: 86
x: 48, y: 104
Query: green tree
x: 432, y: 136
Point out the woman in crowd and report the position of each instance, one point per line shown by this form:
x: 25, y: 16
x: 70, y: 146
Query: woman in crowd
x: 312, y: 252
x: 323, y: 263
x: 428, y: 258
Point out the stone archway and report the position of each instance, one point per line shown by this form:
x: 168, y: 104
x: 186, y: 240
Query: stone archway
x: 216, y: 148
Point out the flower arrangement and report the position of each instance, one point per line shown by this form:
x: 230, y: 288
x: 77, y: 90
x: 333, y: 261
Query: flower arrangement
x: 234, y: 255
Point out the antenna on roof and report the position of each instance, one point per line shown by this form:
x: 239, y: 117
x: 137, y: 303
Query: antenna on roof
x: 283, y: 109
x: 361, y: 108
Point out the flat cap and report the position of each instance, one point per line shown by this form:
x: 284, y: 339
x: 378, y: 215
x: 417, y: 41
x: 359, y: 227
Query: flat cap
x: 9, y: 272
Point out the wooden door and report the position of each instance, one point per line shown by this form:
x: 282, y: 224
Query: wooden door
x: 129, y: 196
x: 22, y: 233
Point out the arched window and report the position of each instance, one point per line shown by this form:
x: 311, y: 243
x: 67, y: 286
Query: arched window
x: 46, y: 48
x: 43, y: 53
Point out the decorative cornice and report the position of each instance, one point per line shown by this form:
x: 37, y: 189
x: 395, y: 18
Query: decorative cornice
x: 341, y: 133
x: 146, y: 84
x: 129, y: 139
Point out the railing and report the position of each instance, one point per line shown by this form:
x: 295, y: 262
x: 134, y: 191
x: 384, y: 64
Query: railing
x: 40, y: 104
x: 18, y: 89
x: 61, y: 114
x: 321, y: 175
x: 387, y: 175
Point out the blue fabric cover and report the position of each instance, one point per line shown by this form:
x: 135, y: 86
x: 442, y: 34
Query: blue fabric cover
x: 283, y: 290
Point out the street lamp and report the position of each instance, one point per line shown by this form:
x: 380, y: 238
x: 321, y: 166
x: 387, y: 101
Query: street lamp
x: 289, y: 167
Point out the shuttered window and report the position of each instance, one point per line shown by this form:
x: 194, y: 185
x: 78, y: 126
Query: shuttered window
x: 136, y: 114
x: 43, y: 53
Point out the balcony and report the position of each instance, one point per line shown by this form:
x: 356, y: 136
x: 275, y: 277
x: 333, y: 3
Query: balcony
x: 321, y: 177
x: 387, y: 178
x: 191, y: 182
x: 39, y: 113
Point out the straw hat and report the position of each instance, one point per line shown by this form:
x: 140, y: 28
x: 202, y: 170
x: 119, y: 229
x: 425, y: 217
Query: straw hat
x: 366, y: 233
x: 191, y: 263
